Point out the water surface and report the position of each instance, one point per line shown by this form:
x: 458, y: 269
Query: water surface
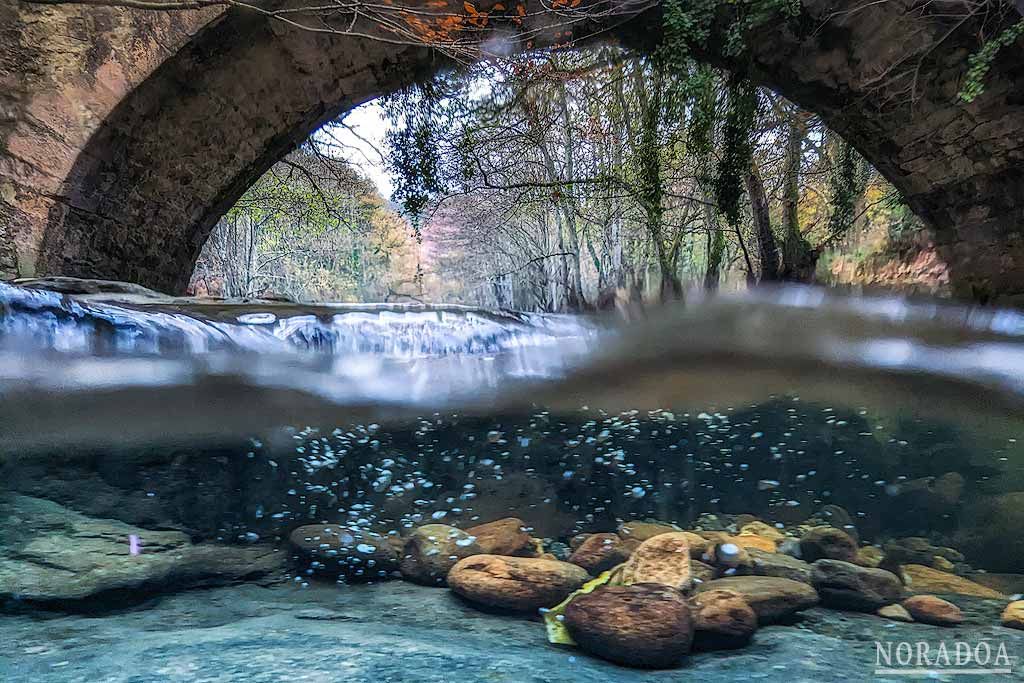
x: 150, y: 445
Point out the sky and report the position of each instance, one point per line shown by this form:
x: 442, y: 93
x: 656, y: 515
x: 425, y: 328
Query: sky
x: 367, y: 122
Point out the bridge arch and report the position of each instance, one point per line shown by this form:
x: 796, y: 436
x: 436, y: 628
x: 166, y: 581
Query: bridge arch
x: 144, y: 188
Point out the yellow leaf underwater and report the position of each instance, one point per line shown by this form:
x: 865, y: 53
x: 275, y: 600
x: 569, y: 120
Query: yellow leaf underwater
x: 557, y: 632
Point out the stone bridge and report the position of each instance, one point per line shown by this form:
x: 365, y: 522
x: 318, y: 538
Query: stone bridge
x: 127, y: 133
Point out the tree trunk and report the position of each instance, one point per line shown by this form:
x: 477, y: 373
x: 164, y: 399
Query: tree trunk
x: 652, y: 189
x: 580, y: 302
x: 799, y: 259
x: 768, y: 250
x: 715, y: 248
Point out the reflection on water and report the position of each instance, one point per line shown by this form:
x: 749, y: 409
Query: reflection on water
x: 862, y: 451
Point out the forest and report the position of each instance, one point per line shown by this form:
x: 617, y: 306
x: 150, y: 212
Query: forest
x: 313, y: 228
x: 567, y: 182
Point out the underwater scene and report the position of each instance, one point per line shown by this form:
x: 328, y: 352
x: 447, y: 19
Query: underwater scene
x: 779, y: 485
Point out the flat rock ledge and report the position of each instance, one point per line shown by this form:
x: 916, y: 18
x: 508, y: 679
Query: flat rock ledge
x: 398, y: 631
x: 52, y: 555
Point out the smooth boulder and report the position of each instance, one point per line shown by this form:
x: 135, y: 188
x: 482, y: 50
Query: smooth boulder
x: 641, y: 531
x: 834, y: 515
x: 776, y: 564
x: 506, y: 536
x: 759, y: 528
x: 772, y: 599
x: 921, y: 579
x: 600, y: 552
x: 869, y: 556
x: 827, y: 543
x: 844, y: 585
x: 722, y: 621
x: 895, y: 612
x: 929, y: 609
x: 755, y: 542
x: 644, y: 625
x: 918, y: 550
x: 1013, y: 615
x: 432, y: 550
x: 522, y: 584
x: 1006, y: 584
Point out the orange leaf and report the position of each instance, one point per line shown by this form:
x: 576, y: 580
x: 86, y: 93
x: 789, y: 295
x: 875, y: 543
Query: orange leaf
x: 499, y: 7
x: 469, y: 8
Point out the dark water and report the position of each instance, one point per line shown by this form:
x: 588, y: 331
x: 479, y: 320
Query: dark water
x: 153, y: 446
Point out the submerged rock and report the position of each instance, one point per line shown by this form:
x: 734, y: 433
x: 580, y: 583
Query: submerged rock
x: 642, y: 531
x: 1013, y: 615
x: 917, y: 550
x: 921, y: 579
x: 869, y: 556
x: 849, y: 586
x: 432, y: 550
x: 1008, y: 584
x: 741, y: 520
x: 771, y: 598
x: 336, y: 549
x: 600, y: 552
x: 576, y: 541
x: 776, y: 564
x: 506, y: 536
x: 755, y: 542
x: 895, y: 612
x: 643, y: 625
x: 521, y: 584
x: 52, y: 554
x: 698, y: 543
x: 711, y: 522
x: 631, y: 544
x: 700, y: 572
x: 759, y: 528
x: 662, y: 559
x: 827, y: 543
x: 929, y: 609
x: 837, y: 516
x: 722, y: 620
